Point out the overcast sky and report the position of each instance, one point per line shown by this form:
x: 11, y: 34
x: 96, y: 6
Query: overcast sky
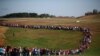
x: 54, y: 7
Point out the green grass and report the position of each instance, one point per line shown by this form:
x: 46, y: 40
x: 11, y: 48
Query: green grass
x: 43, y: 38
x: 94, y: 49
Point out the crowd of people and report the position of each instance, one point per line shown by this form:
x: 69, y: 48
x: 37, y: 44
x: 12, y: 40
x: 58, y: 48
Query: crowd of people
x: 25, y: 51
x: 59, y: 27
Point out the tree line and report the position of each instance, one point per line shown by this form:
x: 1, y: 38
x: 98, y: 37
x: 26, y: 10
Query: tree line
x: 94, y: 12
x: 22, y: 15
x: 35, y: 15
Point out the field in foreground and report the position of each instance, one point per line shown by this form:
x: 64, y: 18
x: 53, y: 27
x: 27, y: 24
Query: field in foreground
x: 43, y: 38
x: 92, y: 22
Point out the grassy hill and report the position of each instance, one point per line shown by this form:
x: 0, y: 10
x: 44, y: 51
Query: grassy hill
x: 92, y: 22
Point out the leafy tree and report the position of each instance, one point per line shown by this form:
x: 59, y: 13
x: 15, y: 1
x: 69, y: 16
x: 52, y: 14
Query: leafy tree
x: 95, y: 11
x: 44, y: 15
x: 33, y: 15
x: 21, y: 15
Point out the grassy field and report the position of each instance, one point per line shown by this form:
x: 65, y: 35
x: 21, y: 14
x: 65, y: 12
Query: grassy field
x: 92, y: 22
x: 42, y: 38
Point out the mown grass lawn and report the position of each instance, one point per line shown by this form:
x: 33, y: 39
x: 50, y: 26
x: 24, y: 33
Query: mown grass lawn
x: 43, y: 38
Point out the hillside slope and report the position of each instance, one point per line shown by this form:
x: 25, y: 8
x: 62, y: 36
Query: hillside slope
x: 92, y: 22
